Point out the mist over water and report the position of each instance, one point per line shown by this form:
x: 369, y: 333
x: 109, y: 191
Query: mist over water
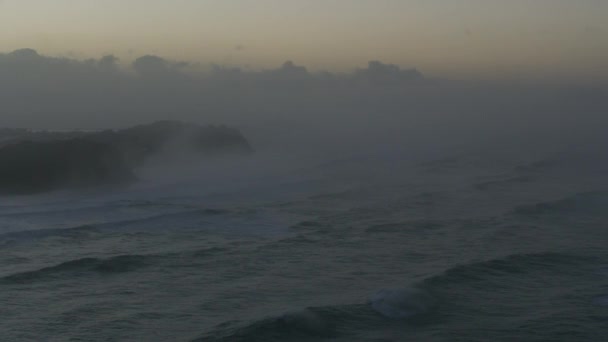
x: 379, y: 205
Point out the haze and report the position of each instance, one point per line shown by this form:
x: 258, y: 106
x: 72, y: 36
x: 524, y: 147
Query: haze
x: 315, y: 75
x: 303, y: 170
x: 490, y: 39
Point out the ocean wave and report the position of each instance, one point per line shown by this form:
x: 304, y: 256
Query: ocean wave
x: 522, y: 174
x: 45, y: 233
x: 429, y: 301
x: 188, y: 214
x: 205, y: 252
x: 328, y: 322
x: 123, y: 208
x: 147, y: 223
x: 503, y: 182
x: 590, y: 203
x: 338, y: 195
x: 512, y: 265
x: 306, y: 324
x: 418, y: 225
x: 537, y: 166
x: 402, y: 303
x: 307, y: 224
x: 117, y: 264
x: 94, y: 205
x: 62, y: 211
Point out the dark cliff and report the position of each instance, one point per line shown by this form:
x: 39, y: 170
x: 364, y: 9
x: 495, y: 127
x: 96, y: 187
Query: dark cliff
x: 34, y: 162
x: 34, y: 167
x: 142, y: 142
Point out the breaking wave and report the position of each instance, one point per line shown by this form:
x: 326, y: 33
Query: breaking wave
x: 419, y: 304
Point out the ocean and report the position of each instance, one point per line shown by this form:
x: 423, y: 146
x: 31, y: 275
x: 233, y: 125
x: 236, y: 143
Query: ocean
x: 377, y: 248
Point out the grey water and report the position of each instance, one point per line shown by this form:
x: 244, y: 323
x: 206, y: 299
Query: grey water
x: 369, y: 248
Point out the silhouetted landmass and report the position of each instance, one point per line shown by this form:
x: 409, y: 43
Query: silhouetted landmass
x: 142, y: 142
x: 34, y: 162
x: 34, y: 167
x: 15, y: 135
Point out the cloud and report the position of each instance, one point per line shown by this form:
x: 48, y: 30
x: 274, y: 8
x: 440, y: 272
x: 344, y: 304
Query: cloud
x: 594, y: 31
x: 151, y: 65
x: 25, y: 54
x: 380, y: 73
x: 290, y: 68
x: 108, y: 62
x: 290, y: 107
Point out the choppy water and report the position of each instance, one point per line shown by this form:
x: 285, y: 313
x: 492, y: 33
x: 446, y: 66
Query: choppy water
x: 367, y: 249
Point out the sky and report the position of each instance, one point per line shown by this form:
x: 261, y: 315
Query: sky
x: 539, y: 39
x: 313, y: 75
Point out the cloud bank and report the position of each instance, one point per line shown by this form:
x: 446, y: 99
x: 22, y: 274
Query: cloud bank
x: 290, y: 107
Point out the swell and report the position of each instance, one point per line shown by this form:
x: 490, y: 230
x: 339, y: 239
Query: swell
x: 48, y: 212
x: 141, y: 208
x: 112, y: 265
x: 504, y: 182
x: 427, y: 302
x: 538, y: 166
x: 74, y: 208
x: 311, y: 324
x: 514, y: 265
x: 525, y: 173
x: 384, y: 308
x: 163, y: 217
x: 149, y: 222
x: 585, y: 203
x: 414, y: 225
x: 45, y: 233
x: 117, y: 264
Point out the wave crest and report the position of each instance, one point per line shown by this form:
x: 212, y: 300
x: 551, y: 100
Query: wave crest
x: 117, y: 264
x: 329, y: 322
x: 510, y: 265
x: 311, y: 323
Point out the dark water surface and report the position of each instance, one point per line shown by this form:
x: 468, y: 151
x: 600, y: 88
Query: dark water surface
x: 363, y: 249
